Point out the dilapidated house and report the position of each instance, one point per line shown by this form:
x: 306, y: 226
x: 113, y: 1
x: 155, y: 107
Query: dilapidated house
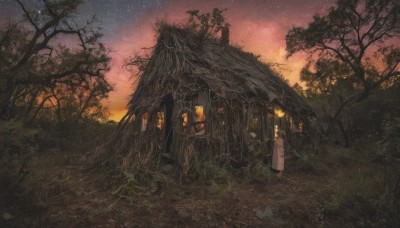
x: 200, y: 98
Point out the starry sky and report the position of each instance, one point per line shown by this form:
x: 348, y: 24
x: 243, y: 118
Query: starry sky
x: 258, y: 26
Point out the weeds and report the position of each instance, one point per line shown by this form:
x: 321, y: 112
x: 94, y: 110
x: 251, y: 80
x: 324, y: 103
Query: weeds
x: 17, y: 143
x: 15, y: 138
x: 364, y: 190
x: 356, y: 192
x: 257, y: 172
x: 326, y: 161
x: 214, y: 177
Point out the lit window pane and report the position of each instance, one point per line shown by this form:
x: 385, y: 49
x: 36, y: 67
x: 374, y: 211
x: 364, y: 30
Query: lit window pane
x: 276, y: 129
x: 279, y: 112
x: 160, y: 119
x: 184, y: 119
x: 199, y: 128
x: 199, y: 113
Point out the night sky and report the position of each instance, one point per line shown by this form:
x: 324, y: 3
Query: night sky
x: 259, y: 26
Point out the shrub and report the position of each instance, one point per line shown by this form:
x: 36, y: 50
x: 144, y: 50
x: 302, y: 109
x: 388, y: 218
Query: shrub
x: 391, y: 151
x: 214, y: 176
x: 15, y: 138
x: 356, y: 193
x: 391, y: 139
x: 330, y: 158
x: 16, y: 145
x: 82, y: 135
x: 257, y: 172
x: 367, y: 190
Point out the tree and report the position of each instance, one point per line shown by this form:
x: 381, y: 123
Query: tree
x: 298, y: 89
x: 35, y: 68
x: 206, y: 24
x: 356, y: 43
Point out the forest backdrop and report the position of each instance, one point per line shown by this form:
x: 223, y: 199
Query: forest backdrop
x: 53, y: 87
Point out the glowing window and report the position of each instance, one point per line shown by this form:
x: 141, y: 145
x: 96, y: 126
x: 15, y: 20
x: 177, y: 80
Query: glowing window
x: 279, y: 112
x: 199, y: 124
x: 279, y: 121
x: 184, y: 119
x: 160, y: 120
x: 276, y: 129
x: 199, y: 113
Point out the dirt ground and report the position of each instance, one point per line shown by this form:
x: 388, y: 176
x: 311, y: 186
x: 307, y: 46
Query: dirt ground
x: 65, y: 194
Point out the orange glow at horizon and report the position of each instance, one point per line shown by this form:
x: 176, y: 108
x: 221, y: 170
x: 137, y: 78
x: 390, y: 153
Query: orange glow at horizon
x: 261, y: 33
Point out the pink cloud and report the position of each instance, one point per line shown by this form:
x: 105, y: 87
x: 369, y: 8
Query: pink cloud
x: 259, y: 27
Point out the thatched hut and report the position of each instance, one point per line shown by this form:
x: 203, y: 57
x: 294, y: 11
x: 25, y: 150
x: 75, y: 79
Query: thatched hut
x: 200, y: 98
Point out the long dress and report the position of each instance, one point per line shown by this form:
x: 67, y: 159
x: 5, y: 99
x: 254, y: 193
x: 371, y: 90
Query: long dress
x: 278, y: 155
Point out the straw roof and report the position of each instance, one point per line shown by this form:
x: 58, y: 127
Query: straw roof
x: 184, y: 62
x: 184, y: 66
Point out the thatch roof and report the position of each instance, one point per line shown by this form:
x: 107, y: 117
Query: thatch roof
x: 185, y: 62
x: 192, y: 68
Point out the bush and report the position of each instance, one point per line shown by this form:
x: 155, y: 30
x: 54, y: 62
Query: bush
x: 367, y: 190
x: 330, y: 158
x: 363, y: 196
x: 391, y: 139
x: 82, y: 135
x: 356, y: 193
x: 15, y: 138
x: 17, y: 143
x: 213, y: 176
x: 391, y: 152
x: 257, y: 172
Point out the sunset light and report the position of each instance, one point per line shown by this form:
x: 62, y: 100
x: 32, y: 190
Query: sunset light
x: 199, y: 113
x: 258, y: 27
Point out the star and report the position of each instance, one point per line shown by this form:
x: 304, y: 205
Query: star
x: 259, y: 26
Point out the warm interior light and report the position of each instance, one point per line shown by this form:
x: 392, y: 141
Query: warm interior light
x: 200, y: 113
x: 279, y: 113
x: 160, y: 119
x: 276, y: 128
x: 185, y: 119
x: 200, y: 128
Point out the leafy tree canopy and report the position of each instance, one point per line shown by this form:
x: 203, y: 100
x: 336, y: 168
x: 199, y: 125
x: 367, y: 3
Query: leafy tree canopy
x: 357, y: 41
x: 37, y: 70
x: 353, y: 49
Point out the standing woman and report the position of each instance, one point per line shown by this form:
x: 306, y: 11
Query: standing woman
x: 278, y: 155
